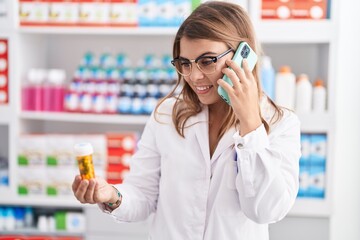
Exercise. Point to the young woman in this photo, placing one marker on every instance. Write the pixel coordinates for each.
(206, 169)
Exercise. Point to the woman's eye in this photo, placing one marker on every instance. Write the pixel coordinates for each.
(206, 61)
(185, 64)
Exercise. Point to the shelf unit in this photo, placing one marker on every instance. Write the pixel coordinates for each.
(285, 41)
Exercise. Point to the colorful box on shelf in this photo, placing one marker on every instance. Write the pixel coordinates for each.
(4, 72)
(121, 146)
(295, 9)
(104, 13)
(47, 164)
(313, 166)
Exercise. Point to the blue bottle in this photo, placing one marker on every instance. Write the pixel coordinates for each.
(268, 77)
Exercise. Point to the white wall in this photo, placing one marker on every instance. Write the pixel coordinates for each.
(344, 223)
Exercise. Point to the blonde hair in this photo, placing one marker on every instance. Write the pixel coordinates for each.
(216, 21)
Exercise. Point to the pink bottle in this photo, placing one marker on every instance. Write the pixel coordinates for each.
(32, 91)
(54, 90)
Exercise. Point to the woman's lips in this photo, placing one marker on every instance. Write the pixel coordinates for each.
(203, 89)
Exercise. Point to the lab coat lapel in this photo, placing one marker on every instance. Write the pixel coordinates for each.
(201, 127)
(225, 142)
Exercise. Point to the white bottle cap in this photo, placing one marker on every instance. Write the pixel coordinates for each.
(56, 76)
(36, 75)
(83, 149)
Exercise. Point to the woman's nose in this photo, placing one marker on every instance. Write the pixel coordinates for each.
(196, 73)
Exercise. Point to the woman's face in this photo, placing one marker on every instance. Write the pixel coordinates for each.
(204, 85)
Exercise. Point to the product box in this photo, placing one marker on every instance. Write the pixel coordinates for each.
(59, 180)
(317, 182)
(318, 150)
(309, 9)
(31, 180)
(33, 12)
(294, 9)
(61, 164)
(94, 13)
(59, 150)
(276, 9)
(64, 12)
(166, 13)
(304, 180)
(305, 149)
(4, 71)
(147, 13)
(183, 9)
(32, 150)
(115, 173)
(123, 13)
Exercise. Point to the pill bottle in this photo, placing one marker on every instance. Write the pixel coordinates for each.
(84, 152)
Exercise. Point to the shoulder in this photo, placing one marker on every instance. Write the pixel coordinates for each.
(163, 112)
(166, 106)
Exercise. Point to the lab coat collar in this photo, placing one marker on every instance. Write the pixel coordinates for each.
(200, 123)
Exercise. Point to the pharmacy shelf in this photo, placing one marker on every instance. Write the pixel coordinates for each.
(41, 201)
(86, 118)
(270, 31)
(36, 232)
(316, 122)
(100, 30)
(311, 207)
(310, 123)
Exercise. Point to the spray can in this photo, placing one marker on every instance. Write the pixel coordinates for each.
(84, 152)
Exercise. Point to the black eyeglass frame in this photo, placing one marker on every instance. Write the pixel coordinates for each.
(213, 59)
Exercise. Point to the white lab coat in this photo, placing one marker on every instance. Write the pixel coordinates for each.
(197, 197)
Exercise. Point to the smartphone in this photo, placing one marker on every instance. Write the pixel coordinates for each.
(243, 51)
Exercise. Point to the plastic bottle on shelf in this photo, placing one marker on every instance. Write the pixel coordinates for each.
(268, 77)
(29, 217)
(285, 83)
(32, 91)
(54, 90)
(319, 96)
(9, 218)
(19, 213)
(303, 98)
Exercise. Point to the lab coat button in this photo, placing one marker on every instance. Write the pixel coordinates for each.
(240, 145)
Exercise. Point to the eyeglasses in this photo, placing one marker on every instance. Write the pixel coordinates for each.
(206, 64)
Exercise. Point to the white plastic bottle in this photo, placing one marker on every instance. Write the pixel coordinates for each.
(268, 77)
(319, 96)
(285, 83)
(303, 98)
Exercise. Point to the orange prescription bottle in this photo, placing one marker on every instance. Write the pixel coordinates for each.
(83, 152)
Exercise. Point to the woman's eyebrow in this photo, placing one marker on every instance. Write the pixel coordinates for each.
(204, 54)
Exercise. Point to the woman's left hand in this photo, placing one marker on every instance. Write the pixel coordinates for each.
(243, 95)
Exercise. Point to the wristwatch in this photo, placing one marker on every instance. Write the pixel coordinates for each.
(118, 201)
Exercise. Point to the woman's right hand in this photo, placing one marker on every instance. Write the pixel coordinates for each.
(93, 191)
